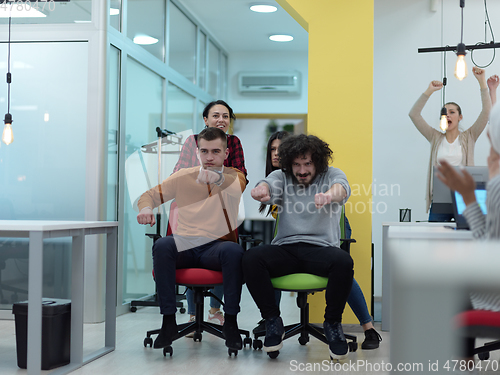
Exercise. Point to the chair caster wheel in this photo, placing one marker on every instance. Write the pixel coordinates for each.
(182, 310)
(303, 340)
(273, 355)
(257, 344)
(197, 336)
(168, 349)
(232, 351)
(148, 341)
(133, 308)
(353, 346)
(247, 341)
(484, 356)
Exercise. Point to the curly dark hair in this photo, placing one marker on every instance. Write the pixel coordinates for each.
(295, 146)
(269, 163)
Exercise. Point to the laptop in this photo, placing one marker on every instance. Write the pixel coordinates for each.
(442, 206)
(459, 205)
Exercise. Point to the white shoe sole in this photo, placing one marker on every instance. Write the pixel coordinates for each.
(337, 356)
(275, 348)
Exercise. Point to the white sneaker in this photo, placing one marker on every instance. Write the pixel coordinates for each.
(217, 318)
(191, 335)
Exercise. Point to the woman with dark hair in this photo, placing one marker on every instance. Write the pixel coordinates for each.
(454, 146)
(274, 160)
(216, 114)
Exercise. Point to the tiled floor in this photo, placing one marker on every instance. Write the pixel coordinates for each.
(210, 355)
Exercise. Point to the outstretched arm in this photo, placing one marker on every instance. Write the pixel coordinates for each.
(261, 192)
(336, 193)
(416, 111)
(146, 216)
(492, 86)
(477, 128)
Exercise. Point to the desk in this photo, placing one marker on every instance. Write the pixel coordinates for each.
(430, 281)
(424, 230)
(37, 231)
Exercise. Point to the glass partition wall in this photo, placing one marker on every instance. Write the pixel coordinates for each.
(86, 97)
(165, 79)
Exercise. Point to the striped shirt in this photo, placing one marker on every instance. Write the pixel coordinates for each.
(484, 228)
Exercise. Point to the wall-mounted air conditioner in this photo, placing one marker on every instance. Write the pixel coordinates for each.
(287, 82)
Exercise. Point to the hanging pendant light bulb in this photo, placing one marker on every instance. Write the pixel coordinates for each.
(443, 123)
(7, 135)
(461, 65)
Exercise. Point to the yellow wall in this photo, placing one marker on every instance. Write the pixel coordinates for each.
(340, 100)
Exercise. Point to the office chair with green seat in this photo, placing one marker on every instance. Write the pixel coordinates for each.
(304, 284)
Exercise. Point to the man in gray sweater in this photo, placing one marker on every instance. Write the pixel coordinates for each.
(309, 195)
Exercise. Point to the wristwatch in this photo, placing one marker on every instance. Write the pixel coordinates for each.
(221, 179)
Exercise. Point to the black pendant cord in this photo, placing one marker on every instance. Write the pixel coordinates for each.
(462, 24)
(444, 79)
(9, 76)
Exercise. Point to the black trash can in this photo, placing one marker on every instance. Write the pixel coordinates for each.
(56, 329)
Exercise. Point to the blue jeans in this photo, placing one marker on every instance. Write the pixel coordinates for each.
(218, 291)
(216, 255)
(357, 302)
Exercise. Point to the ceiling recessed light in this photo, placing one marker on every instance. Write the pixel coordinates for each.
(114, 12)
(145, 40)
(261, 8)
(281, 38)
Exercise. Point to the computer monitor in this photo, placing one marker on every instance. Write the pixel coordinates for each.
(459, 205)
(442, 205)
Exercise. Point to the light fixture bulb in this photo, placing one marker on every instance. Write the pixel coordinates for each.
(261, 8)
(443, 123)
(461, 65)
(281, 38)
(8, 135)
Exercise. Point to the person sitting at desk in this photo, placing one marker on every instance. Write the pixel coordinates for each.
(482, 227)
(208, 199)
(309, 195)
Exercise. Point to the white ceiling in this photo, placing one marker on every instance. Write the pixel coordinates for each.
(238, 29)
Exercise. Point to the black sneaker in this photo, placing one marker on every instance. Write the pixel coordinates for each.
(231, 333)
(372, 339)
(261, 327)
(167, 333)
(275, 331)
(336, 340)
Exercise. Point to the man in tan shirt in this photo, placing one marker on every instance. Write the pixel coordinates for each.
(207, 198)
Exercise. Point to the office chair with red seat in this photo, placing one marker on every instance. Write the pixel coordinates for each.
(480, 324)
(200, 280)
